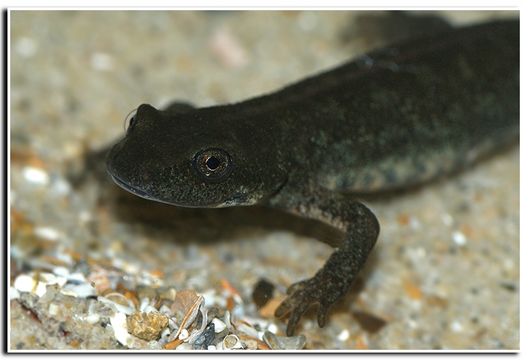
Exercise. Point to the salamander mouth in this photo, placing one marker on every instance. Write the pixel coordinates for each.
(130, 188)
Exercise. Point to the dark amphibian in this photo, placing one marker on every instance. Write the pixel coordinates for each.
(394, 118)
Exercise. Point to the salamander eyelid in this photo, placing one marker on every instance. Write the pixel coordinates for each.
(128, 119)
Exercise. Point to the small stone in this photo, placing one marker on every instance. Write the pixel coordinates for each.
(284, 342)
(47, 233)
(273, 328)
(147, 326)
(228, 49)
(262, 293)
(25, 283)
(53, 309)
(344, 335)
(167, 293)
(456, 327)
(13, 293)
(459, 238)
(206, 338)
(26, 47)
(36, 283)
(184, 334)
(36, 176)
(92, 318)
(369, 322)
(102, 61)
(218, 325)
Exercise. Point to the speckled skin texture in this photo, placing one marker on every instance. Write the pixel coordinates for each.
(395, 118)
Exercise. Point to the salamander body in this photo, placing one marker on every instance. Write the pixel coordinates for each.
(394, 118)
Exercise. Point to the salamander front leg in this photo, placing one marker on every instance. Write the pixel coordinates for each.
(333, 281)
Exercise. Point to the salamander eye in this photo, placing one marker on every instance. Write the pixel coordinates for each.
(130, 120)
(213, 164)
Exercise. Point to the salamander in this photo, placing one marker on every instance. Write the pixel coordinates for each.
(395, 118)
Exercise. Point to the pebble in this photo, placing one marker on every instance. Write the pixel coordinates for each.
(344, 335)
(102, 61)
(447, 219)
(147, 292)
(369, 322)
(456, 327)
(26, 47)
(47, 233)
(146, 326)
(92, 318)
(262, 292)
(167, 293)
(30, 283)
(61, 271)
(284, 342)
(273, 328)
(459, 238)
(36, 176)
(218, 325)
(53, 309)
(60, 187)
(13, 293)
(184, 334)
(227, 49)
(307, 21)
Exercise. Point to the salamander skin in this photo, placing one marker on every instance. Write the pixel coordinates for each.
(394, 118)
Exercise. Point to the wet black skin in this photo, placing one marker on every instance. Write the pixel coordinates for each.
(395, 118)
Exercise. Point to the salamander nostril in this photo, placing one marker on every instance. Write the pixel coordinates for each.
(213, 163)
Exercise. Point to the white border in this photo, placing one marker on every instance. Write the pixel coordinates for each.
(329, 5)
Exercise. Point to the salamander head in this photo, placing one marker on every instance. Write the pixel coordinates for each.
(194, 159)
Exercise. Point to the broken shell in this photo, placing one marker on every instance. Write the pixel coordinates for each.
(204, 317)
(119, 325)
(284, 342)
(83, 290)
(232, 342)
